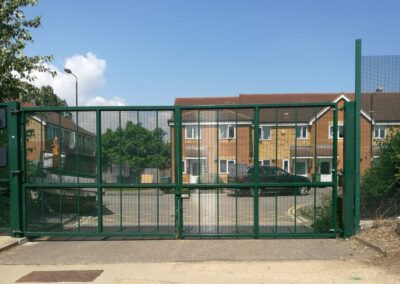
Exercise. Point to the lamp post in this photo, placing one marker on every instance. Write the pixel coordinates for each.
(371, 112)
(68, 71)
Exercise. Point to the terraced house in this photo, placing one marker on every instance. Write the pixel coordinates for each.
(298, 140)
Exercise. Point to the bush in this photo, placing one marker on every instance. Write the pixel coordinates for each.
(380, 185)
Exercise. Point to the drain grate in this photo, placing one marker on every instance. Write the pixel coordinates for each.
(61, 276)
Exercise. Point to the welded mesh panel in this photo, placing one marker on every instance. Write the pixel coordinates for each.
(60, 147)
(136, 146)
(287, 211)
(61, 210)
(380, 102)
(216, 144)
(218, 211)
(138, 210)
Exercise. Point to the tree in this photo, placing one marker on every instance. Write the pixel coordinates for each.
(380, 186)
(16, 68)
(43, 96)
(137, 147)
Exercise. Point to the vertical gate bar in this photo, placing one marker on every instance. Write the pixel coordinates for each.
(99, 178)
(198, 143)
(77, 145)
(23, 158)
(14, 164)
(199, 163)
(276, 172)
(334, 170)
(236, 170)
(120, 171)
(315, 167)
(218, 164)
(295, 170)
(59, 147)
(139, 178)
(79, 209)
(42, 209)
(357, 134)
(257, 169)
(61, 214)
(41, 147)
(158, 190)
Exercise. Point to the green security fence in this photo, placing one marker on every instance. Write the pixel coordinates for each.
(184, 171)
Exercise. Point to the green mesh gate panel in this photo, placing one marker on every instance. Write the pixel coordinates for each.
(4, 188)
(192, 171)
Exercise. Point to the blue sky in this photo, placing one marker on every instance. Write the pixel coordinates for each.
(154, 51)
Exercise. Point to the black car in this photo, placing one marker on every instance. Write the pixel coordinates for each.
(268, 174)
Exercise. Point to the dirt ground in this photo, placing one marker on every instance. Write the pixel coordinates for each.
(383, 234)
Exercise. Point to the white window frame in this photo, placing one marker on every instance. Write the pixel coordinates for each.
(227, 165)
(379, 131)
(262, 132)
(196, 133)
(184, 167)
(301, 127)
(262, 162)
(227, 125)
(283, 165)
(329, 131)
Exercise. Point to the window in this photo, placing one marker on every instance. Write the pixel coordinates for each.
(183, 167)
(227, 131)
(264, 162)
(265, 132)
(379, 132)
(301, 132)
(301, 168)
(192, 132)
(50, 133)
(224, 166)
(340, 131)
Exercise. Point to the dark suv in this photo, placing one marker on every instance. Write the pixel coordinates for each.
(269, 174)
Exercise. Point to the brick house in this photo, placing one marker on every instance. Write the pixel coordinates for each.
(298, 141)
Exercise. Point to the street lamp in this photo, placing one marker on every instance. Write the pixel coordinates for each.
(371, 112)
(68, 71)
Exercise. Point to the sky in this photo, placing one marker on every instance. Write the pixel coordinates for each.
(150, 52)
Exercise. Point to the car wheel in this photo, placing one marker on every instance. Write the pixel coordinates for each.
(303, 190)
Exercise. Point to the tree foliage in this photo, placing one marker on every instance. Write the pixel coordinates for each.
(136, 146)
(380, 186)
(16, 68)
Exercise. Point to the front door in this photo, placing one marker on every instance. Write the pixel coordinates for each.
(196, 167)
(325, 169)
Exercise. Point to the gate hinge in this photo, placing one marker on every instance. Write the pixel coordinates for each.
(16, 173)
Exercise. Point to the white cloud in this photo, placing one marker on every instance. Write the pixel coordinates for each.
(100, 101)
(90, 71)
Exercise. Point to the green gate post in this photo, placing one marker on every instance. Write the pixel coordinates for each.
(14, 165)
(357, 135)
(178, 172)
(349, 167)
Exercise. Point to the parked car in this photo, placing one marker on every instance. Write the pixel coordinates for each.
(268, 174)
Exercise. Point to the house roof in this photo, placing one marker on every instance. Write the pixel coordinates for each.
(385, 105)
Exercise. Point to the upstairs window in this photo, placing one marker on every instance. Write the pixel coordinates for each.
(192, 132)
(340, 131)
(227, 131)
(265, 132)
(301, 132)
(379, 132)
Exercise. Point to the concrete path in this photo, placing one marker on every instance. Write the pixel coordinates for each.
(154, 251)
(297, 272)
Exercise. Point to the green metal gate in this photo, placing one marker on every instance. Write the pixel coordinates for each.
(4, 188)
(183, 171)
